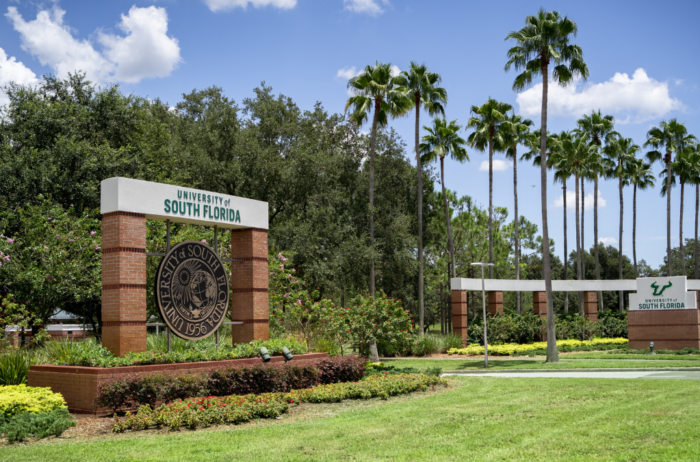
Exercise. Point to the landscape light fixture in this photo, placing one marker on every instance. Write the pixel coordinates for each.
(651, 348)
(264, 354)
(287, 354)
(483, 294)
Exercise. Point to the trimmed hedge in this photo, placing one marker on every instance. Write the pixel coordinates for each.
(19, 399)
(30, 425)
(133, 391)
(514, 349)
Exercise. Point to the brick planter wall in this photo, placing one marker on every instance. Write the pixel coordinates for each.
(668, 329)
(78, 385)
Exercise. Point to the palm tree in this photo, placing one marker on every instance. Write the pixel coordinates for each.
(622, 153)
(424, 87)
(486, 121)
(375, 89)
(641, 176)
(671, 136)
(696, 182)
(598, 128)
(545, 38)
(563, 164)
(685, 167)
(516, 131)
(442, 140)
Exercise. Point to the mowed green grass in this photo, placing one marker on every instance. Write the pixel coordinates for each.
(503, 364)
(483, 419)
(647, 356)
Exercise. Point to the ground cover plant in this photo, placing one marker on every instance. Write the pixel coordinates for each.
(212, 410)
(544, 419)
(32, 412)
(539, 364)
(133, 391)
(513, 349)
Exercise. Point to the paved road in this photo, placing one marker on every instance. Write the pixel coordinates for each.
(682, 375)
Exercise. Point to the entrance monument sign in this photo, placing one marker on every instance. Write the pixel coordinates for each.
(662, 293)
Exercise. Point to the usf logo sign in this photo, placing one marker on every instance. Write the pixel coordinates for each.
(662, 293)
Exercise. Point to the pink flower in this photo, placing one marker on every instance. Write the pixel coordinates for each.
(204, 241)
(293, 270)
(286, 295)
(281, 267)
(92, 233)
(6, 258)
(298, 302)
(46, 248)
(58, 236)
(10, 241)
(97, 248)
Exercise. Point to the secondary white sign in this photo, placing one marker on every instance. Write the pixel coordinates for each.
(183, 205)
(662, 293)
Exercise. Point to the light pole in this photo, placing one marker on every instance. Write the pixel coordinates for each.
(483, 295)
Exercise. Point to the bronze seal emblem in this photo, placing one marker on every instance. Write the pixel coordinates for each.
(192, 289)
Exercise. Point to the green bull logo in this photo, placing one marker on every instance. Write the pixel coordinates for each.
(659, 291)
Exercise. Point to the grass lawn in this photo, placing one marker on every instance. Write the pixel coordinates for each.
(483, 419)
(495, 363)
(647, 356)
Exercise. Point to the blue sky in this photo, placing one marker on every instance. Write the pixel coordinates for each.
(637, 52)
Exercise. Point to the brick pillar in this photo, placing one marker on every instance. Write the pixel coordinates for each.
(249, 284)
(459, 315)
(590, 305)
(495, 303)
(124, 282)
(539, 304)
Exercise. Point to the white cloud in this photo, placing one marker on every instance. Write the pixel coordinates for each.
(395, 70)
(608, 240)
(220, 5)
(12, 70)
(571, 200)
(498, 165)
(678, 81)
(371, 7)
(347, 73)
(635, 99)
(146, 50)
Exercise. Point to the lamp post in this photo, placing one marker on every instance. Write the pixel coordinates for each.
(483, 295)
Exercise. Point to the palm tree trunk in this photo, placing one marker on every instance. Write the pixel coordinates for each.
(566, 255)
(583, 228)
(373, 146)
(595, 239)
(668, 212)
(697, 209)
(680, 230)
(552, 353)
(447, 216)
(419, 168)
(578, 243)
(634, 231)
(491, 201)
(621, 294)
(515, 228)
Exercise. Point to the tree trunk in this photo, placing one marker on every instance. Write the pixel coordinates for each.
(578, 242)
(680, 230)
(634, 231)
(595, 239)
(552, 353)
(668, 212)
(697, 209)
(566, 255)
(447, 215)
(515, 228)
(373, 146)
(419, 168)
(583, 228)
(491, 129)
(621, 294)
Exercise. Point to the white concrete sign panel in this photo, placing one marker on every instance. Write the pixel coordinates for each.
(662, 293)
(182, 205)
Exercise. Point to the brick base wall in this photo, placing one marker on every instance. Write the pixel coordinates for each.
(459, 315)
(495, 300)
(590, 305)
(668, 329)
(79, 385)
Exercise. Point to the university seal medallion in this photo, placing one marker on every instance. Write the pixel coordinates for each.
(192, 290)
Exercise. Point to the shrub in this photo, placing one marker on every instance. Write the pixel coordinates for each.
(132, 391)
(17, 399)
(613, 327)
(14, 366)
(26, 425)
(515, 349)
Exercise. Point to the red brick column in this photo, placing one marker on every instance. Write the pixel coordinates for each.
(668, 329)
(539, 304)
(590, 305)
(124, 282)
(459, 315)
(495, 303)
(249, 284)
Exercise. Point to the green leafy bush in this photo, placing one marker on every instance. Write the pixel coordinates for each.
(30, 425)
(18, 399)
(434, 343)
(14, 366)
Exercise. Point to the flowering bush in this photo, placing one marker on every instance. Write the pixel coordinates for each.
(132, 391)
(212, 410)
(514, 349)
(18, 316)
(17, 399)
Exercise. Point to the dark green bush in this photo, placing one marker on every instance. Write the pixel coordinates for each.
(30, 425)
